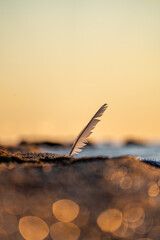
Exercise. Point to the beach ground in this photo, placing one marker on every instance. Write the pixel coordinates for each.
(88, 198)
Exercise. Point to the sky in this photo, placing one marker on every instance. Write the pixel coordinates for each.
(61, 60)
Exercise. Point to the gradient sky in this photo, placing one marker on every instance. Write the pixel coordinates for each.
(61, 60)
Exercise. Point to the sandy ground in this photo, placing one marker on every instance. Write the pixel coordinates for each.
(55, 197)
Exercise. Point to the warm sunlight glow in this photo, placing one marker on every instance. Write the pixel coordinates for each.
(133, 215)
(61, 60)
(123, 231)
(60, 231)
(110, 220)
(153, 190)
(126, 183)
(65, 210)
(118, 175)
(33, 228)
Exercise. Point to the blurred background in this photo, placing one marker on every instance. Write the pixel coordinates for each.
(61, 60)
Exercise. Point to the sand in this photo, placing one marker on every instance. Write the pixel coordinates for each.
(116, 198)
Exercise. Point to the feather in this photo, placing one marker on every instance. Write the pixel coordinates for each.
(81, 140)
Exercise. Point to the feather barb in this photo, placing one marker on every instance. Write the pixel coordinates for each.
(81, 140)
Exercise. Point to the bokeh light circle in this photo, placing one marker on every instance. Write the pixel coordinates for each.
(65, 210)
(110, 220)
(61, 231)
(33, 228)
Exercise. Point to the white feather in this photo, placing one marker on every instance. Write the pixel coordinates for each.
(81, 140)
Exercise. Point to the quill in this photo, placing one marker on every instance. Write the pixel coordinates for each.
(81, 141)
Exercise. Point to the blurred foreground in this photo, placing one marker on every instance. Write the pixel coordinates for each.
(53, 198)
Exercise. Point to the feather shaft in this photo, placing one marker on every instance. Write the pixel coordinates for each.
(81, 140)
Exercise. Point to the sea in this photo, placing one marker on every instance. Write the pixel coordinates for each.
(145, 152)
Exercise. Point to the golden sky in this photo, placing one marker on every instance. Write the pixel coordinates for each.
(61, 60)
